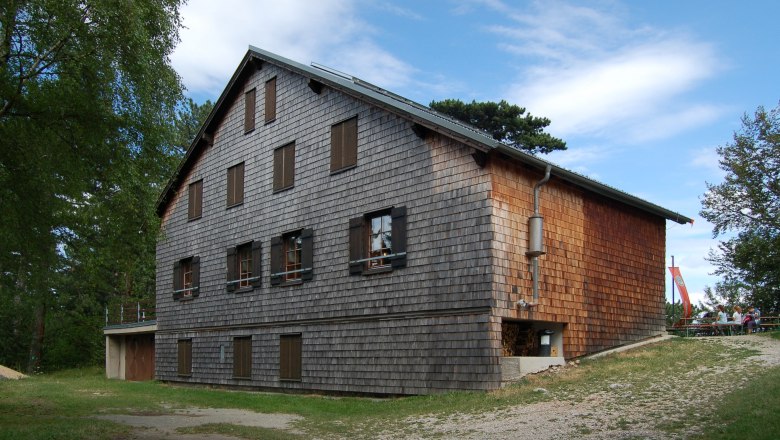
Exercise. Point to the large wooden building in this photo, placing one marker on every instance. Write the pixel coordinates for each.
(323, 234)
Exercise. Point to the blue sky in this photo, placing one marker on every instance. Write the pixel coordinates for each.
(642, 91)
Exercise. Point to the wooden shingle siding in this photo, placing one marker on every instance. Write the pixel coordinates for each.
(448, 230)
(396, 356)
(602, 274)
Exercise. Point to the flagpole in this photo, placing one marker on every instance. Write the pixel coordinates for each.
(673, 323)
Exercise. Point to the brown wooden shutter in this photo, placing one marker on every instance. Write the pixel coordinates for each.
(185, 357)
(307, 254)
(336, 147)
(242, 357)
(249, 111)
(231, 186)
(177, 280)
(290, 357)
(239, 183)
(398, 216)
(349, 151)
(232, 269)
(277, 262)
(195, 267)
(357, 250)
(278, 169)
(256, 266)
(289, 165)
(270, 100)
(195, 205)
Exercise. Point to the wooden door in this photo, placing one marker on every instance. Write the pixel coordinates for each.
(139, 357)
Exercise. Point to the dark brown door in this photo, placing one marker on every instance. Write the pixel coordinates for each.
(139, 357)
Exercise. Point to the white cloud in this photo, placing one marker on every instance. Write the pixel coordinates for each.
(217, 35)
(708, 159)
(596, 75)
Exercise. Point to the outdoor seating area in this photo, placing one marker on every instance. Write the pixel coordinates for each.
(709, 327)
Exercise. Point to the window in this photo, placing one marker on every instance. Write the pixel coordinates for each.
(343, 145)
(235, 185)
(292, 257)
(195, 205)
(377, 241)
(249, 111)
(284, 167)
(290, 362)
(270, 100)
(243, 266)
(185, 357)
(380, 240)
(186, 278)
(242, 357)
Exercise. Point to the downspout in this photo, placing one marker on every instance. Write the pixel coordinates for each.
(536, 246)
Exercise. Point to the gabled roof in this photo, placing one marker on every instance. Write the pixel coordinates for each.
(419, 114)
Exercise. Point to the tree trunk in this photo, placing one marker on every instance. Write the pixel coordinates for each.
(36, 345)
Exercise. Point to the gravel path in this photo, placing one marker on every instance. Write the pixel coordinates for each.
(619, 412)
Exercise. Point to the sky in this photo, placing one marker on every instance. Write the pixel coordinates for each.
(643, 92)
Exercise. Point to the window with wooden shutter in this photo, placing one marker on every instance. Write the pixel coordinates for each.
(292, 257)
(249, 111)
(186, 278)
(235, 185)
(377, 241)
(290, 357)
(270, 100)
(185, 357)
(284, 167)
(242, 357)
(343, 145)
(243, 266)
(195, 205)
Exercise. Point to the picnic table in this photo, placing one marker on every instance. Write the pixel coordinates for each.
(710, 326)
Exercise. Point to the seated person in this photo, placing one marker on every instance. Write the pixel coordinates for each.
(750, 320)
(736, 317)
(723, 318)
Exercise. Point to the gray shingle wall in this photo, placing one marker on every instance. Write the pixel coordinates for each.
(448, 224)
(388, 356)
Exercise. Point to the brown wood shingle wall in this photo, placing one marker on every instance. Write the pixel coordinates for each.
(603, 273)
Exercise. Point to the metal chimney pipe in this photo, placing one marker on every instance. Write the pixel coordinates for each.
(536, 247)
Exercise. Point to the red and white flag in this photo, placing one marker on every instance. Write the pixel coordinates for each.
(686, 302)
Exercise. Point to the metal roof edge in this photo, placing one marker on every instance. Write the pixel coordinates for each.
(595, 186)
(413, 112)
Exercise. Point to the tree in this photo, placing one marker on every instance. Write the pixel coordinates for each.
(748, 203)
(504, 122)
(87, 94)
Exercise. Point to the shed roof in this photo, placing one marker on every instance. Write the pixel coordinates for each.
(405, 108)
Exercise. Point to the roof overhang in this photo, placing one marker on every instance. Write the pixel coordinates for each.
(414, 112)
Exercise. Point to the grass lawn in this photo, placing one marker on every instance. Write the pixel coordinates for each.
(58, 406)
